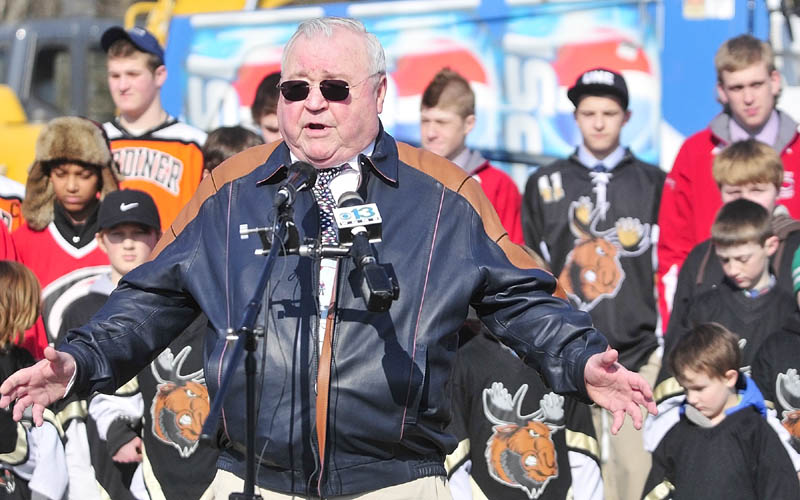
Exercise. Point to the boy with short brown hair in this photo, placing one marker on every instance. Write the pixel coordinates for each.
(224, 142)
(747, 298)
(448, 116)
(722, 446)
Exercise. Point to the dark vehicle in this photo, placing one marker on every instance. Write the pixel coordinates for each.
(54, 67)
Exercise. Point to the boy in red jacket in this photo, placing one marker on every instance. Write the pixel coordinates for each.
(747, 86)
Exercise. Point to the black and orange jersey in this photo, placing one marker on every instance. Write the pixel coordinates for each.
(166, 162)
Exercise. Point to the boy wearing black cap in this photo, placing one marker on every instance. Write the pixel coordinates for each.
(156, 153)
(121, 427)
(593, 217)
(128, 229)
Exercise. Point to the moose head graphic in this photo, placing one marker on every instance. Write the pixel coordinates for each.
(181, 403)
(592, 270)
(520, 452)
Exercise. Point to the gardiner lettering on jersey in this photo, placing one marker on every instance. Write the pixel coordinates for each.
(150, 165)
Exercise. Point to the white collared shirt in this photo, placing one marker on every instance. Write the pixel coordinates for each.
(610, 162)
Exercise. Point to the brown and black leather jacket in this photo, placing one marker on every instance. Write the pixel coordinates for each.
(389, 394)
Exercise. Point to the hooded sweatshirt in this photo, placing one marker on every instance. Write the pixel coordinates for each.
(740, 458)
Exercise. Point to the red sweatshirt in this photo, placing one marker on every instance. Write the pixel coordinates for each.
(691, 198)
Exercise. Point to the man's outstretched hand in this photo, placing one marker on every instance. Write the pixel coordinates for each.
(38, 385)
(617, 389)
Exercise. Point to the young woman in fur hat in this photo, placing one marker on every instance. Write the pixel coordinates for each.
(72, 172)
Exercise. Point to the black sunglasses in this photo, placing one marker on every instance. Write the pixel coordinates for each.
(332, 90)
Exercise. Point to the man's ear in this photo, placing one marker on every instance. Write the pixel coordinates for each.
(381, 93)
(775, 82)
(771, 245)
(469, 124)
(627, 117)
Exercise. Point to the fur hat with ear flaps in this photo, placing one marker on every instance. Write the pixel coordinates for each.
(63, 140)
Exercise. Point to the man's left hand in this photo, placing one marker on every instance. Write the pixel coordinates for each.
(617, 389)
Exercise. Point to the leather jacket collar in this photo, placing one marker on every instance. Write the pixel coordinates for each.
(384, 161)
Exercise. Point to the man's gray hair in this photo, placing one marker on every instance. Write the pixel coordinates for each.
(325, 26)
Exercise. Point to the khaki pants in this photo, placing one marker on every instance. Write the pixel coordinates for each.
(625, 463)
(426, 488)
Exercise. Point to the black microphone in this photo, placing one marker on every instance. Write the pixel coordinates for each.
(301, 176)
(359, 226)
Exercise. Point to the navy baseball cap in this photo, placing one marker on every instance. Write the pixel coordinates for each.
(128, 206)
(139, 37)
(599, 81)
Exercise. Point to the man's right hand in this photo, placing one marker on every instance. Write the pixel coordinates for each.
(38, 385)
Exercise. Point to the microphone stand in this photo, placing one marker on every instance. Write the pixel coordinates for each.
(246, 341)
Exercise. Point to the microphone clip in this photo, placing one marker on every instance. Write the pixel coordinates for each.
(291, 240)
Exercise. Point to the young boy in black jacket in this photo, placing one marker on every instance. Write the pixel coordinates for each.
(721, 447)
(748, 298)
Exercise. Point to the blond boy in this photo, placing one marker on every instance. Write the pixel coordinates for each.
(748, 86)
(751, 170)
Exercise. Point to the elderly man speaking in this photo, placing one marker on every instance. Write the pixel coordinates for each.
(352, 402)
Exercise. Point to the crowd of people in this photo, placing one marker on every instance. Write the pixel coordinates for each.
(526, 327)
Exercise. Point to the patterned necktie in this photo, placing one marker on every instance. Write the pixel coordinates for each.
(600, 168)
(326, 204)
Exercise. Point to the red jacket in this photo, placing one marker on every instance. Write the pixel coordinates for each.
(506, 199)
(7, 249)
(58, 265)
(691, 198)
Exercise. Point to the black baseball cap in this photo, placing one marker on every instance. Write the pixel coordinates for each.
(599, 81)
(139, 37)
(128, 206)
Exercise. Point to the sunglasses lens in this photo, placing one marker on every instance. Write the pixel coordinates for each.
(334, 90)
(294, 90)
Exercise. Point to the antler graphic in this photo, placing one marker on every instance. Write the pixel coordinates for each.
(172, 365)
